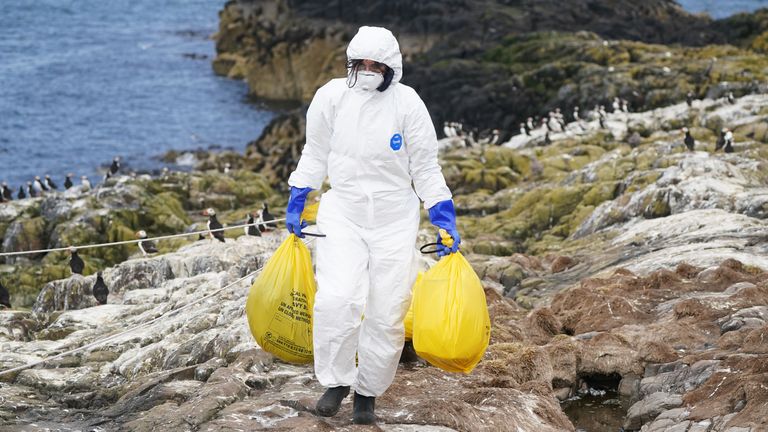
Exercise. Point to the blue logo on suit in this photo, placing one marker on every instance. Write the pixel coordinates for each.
(396, 142)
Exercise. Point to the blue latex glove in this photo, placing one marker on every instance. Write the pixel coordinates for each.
(443, 215)
(293, 212)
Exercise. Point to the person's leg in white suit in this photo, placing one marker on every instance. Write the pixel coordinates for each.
(360, 270)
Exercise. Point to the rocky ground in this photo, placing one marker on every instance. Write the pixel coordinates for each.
(626, 277)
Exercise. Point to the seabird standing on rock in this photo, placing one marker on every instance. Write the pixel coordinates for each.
(76, 264)
(689, 99)
(624, 105)
(214, 224)
(560, 119)
(688, 140)
(529, 125)
(251, 229)
(523, 130)
(48, 182)
(31, 192)
(100, 290)
(227, 167)
(616, 105)
(147, 246)
(68, 181)
(730, 98)
(728, 148)
(6, 192)
(720, 140)
(42, 183)
(495, 136)
(38, 186)
(601, 116)
(86, 183)
(265, 218)
(115, 166)
(5, 297)
(21, 194)
(576, 117)
(448, 130)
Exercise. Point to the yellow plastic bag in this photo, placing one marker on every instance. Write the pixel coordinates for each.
(451, 326)
(310, 212)
(279, 305)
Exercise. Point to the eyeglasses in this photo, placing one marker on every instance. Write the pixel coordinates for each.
(368, 65)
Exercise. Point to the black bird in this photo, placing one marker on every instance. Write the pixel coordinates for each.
(48, 182)
(147, 246)
(7, 194)
(728, 148)
(37, 187)
(730, 98)
(76, 263)
(68, 181)
(720, 140)
(688, 140)
(21, 194)
(251, 229)
(41, 184)
(114, 167)
(265, 217)
(689, 99)
(100, 290)
(214, 224)
(5, 297)
(31, 192)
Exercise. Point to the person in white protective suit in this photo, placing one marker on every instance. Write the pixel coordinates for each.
(373, 137)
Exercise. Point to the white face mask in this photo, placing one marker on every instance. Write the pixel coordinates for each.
(368, 80)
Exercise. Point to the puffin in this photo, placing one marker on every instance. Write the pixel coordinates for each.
(68, 181)
(731, 99)
(31, 192)
(100, 290)
(86, 183)
(48, 182)
(720, 140)
(146, 246)
(6, 192)
(250, 229)
(214, 224)
(688, 140)
(728, 147)
(115, 166)
(38, 186)
(265, 219)
(495, 137)
(689, 99)
(21, 194)
(76, 264)
(576, 113)
(5, 297)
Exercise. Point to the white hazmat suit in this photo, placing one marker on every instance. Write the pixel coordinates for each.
(373, 146)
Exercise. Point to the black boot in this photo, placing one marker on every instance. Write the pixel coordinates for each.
(362, 409)
(330, 401)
